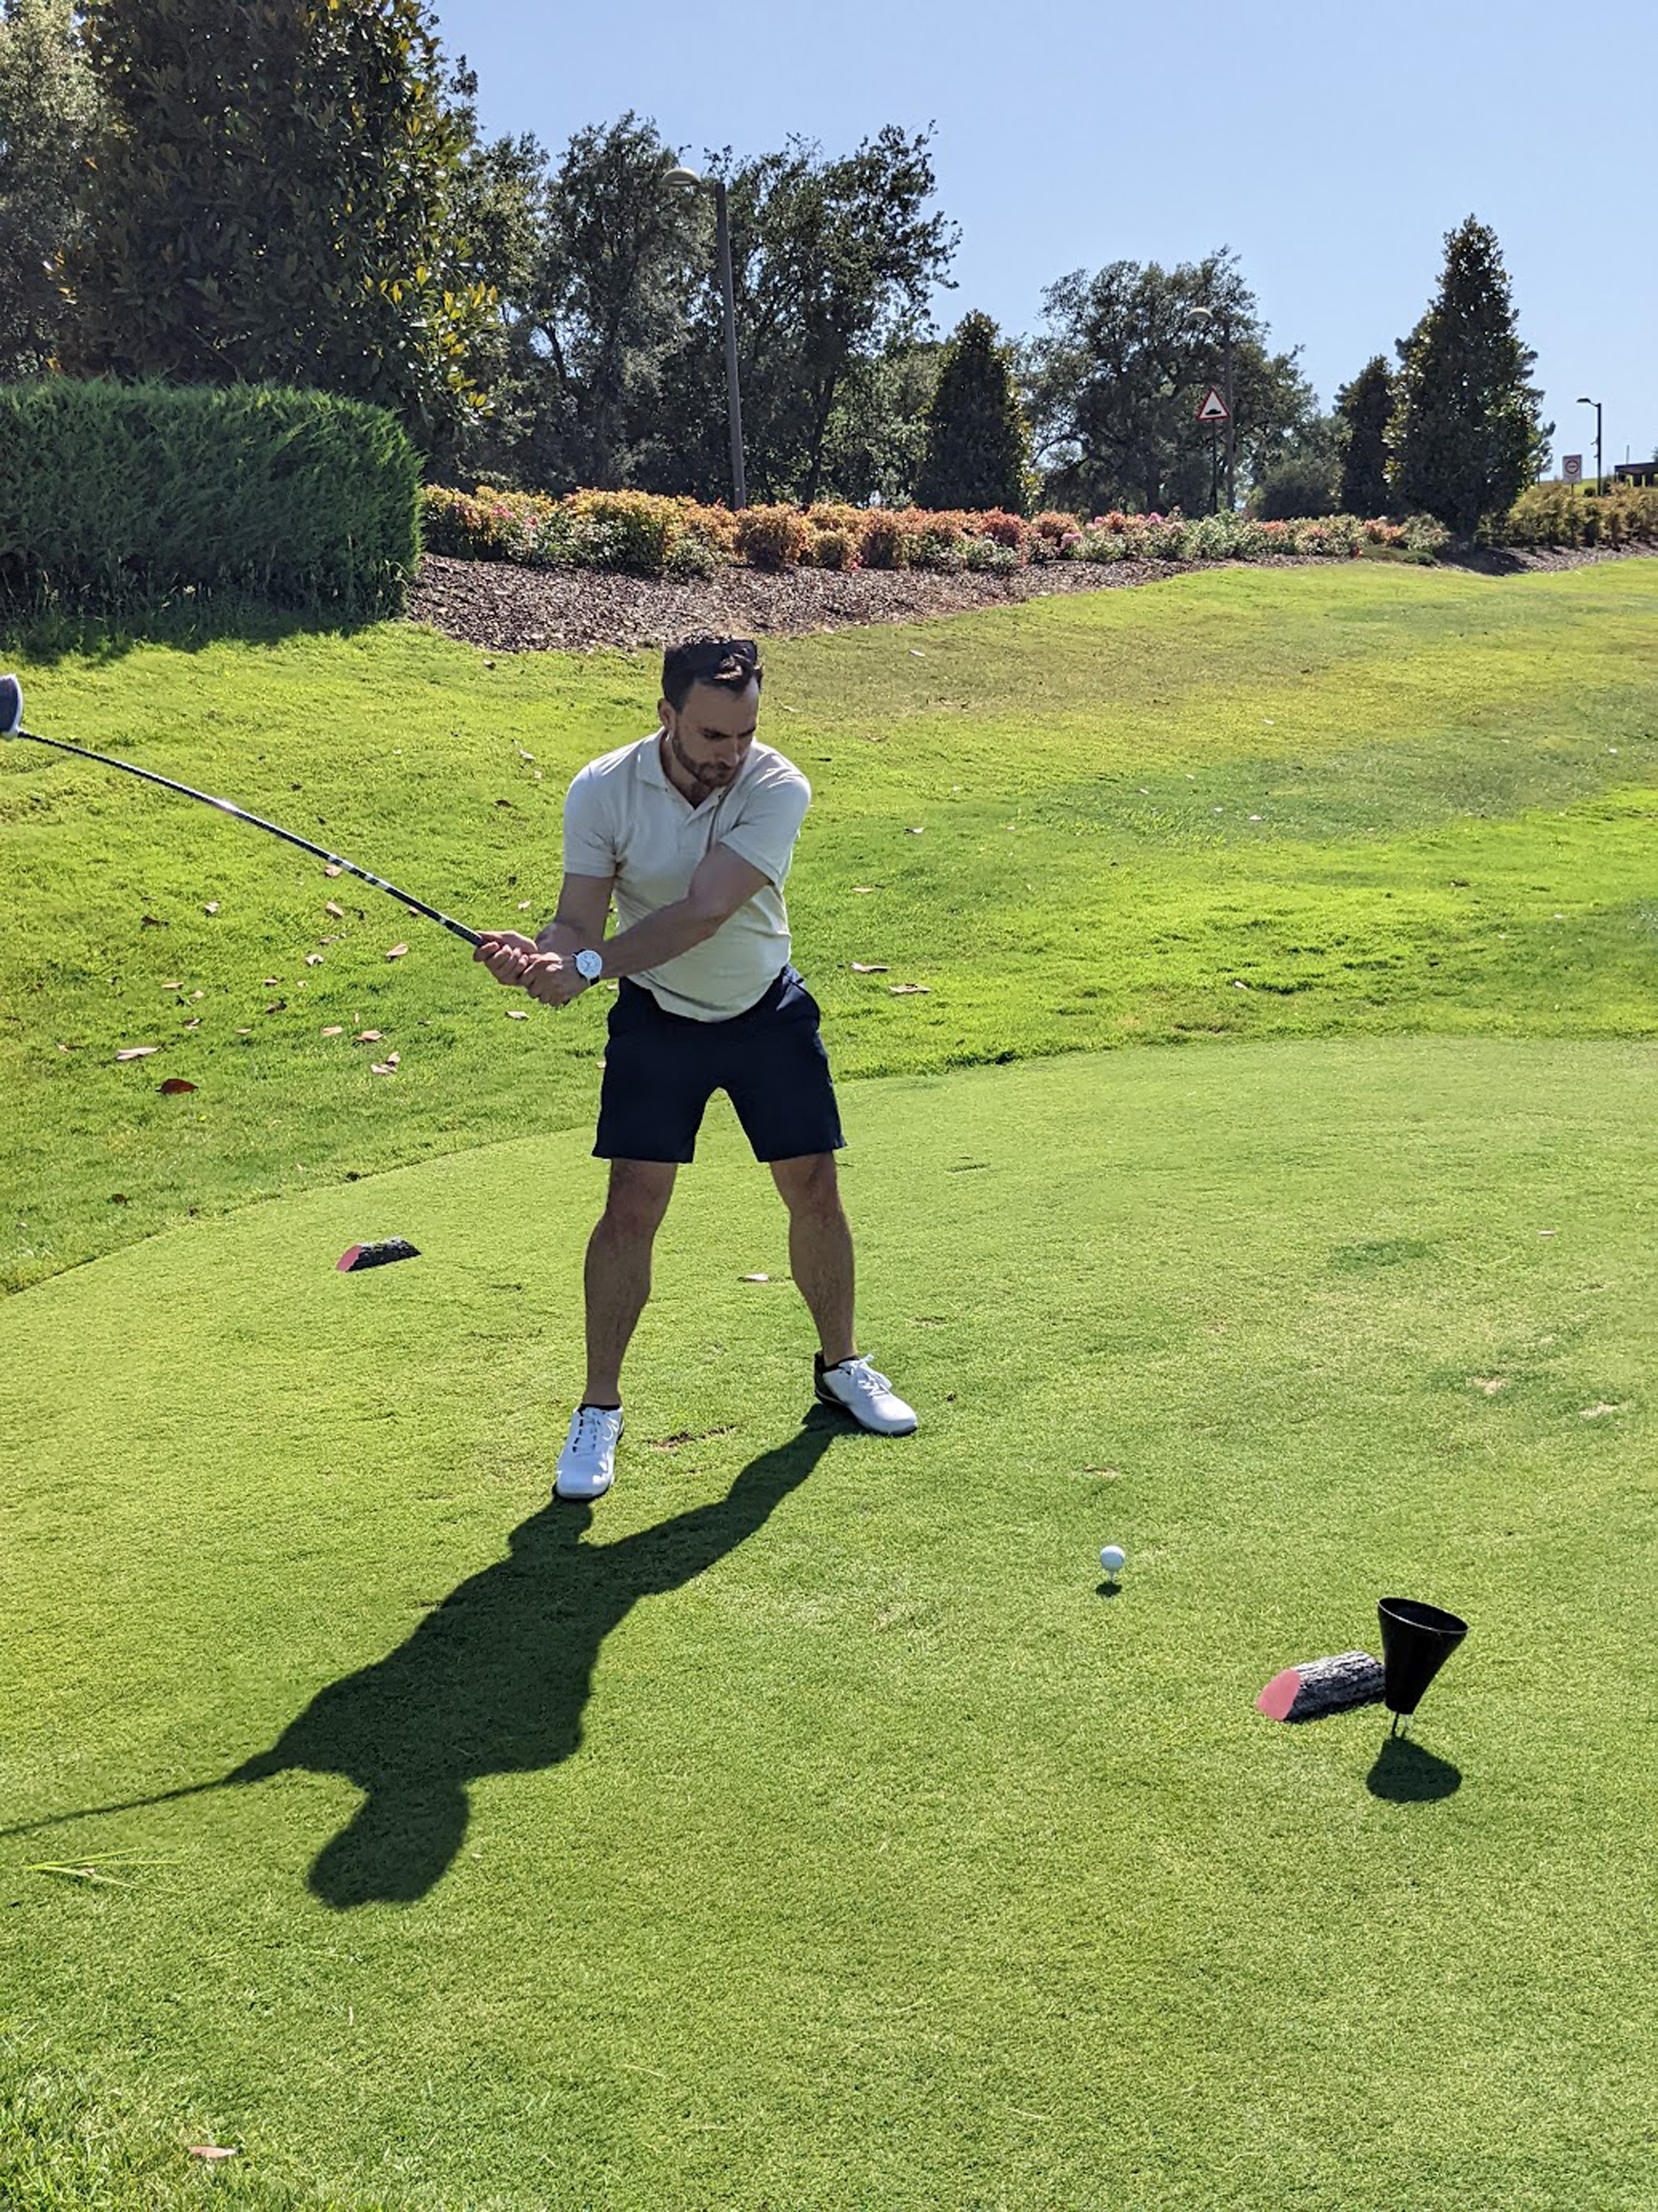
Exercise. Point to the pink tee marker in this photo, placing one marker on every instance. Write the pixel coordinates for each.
(348, 1260)
(1279, 1695)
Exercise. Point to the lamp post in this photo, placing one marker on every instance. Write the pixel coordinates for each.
(687, 180)
(1599, 482)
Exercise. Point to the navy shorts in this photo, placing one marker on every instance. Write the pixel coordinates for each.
(661, 1069)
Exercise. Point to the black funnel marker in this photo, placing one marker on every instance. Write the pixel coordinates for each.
(1417, 1640)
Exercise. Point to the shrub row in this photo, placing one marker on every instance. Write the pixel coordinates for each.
(649, 536)
(116, 495)
(1565, 514)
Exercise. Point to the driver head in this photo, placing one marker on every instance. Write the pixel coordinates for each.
(11, 706)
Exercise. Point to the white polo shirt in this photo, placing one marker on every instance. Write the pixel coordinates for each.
(623, 818)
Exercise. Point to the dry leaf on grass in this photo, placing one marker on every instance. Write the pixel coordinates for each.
(151, 921)
(336, 1028)
(397, 953)
(173, 1086)
(212, 2150)
(194, 1024)
(339, 911)
(173, 987)
(518, 1013)
(870, 967)
(524, 906)
(861, 890)
(382, 1068)
(757, 1278)
(212, 906)
(367, 1036)
(908, 990)
(331, 870)
(313, 960)
(136, 1051)
(275, 1005)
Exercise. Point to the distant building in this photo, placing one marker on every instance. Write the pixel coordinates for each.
(1636, 472)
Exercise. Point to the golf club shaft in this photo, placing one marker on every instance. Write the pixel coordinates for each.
(224, 806)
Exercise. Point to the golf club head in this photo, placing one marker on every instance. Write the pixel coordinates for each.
(11, 706)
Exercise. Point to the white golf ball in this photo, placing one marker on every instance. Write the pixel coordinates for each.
(1113, 1559)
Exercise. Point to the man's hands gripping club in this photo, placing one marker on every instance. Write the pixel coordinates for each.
(511, 958)
(546, 968)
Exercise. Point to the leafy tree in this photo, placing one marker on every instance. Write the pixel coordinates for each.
(877, 433)
(609, 288)
(275, 195)
(834, 262)
(1364, 407)
(1114, 384)
(978, 450)
(1466, 435)
(46, 108)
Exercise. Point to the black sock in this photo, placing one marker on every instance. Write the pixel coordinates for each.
(591, 1405)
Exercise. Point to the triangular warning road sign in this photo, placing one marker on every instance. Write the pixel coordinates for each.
(1214, 407)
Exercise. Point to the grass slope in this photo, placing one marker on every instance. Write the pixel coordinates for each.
(1246, 804)
(804, 1826)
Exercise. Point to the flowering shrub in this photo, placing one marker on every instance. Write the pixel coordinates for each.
(644, 534)
(834, 549)
(988, 556)
(772, 537)
(1047, 533)
(1424, 533)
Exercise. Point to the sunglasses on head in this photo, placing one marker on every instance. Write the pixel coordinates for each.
(709, 660)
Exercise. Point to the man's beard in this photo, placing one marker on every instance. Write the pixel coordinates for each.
(704, 772)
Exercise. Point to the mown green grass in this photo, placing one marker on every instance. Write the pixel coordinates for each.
(803, 1826)
(1245, 805)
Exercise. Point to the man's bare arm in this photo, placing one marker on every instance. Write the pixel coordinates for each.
(583, 906)
(721, 885)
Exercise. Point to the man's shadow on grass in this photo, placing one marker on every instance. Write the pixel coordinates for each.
(495, 1680)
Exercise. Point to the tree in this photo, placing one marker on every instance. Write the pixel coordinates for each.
(1466, 436)
(877, 433)
(1113, 386)
(47, 109)
(978, 449)
(1364, 407)
(274, 195)
(611, 285)
(834, 262)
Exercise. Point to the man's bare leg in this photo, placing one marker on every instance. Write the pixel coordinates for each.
(618, 1269)
(820, 1249)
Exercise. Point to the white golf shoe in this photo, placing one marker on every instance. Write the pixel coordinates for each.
(857, 1389)
(587, 1466)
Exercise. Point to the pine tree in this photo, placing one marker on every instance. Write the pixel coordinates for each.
(1365, 406)
(1465, 438)
(978, 449)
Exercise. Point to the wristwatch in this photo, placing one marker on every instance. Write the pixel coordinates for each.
(590, 966)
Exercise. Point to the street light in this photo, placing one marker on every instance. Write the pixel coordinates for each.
(1599, 482)
(687, 180)
(1207, 315)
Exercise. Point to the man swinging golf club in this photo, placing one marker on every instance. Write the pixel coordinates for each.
(692, 831)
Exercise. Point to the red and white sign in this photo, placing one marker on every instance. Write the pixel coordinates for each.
(1571, 467)
(1213, 409)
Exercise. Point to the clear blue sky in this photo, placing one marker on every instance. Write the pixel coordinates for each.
(1331, 147)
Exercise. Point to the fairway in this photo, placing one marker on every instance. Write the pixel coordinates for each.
(805, 1826)
(1260, 1178)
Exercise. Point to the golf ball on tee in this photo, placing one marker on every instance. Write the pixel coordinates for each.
(1113, 1559)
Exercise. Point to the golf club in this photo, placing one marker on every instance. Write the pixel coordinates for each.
(11, 726)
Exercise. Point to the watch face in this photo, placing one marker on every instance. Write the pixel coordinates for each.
(587, 966)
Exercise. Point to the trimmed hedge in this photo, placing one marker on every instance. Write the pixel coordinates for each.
(117, 495)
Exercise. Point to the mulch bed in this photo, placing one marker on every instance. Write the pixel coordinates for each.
(512, 610)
